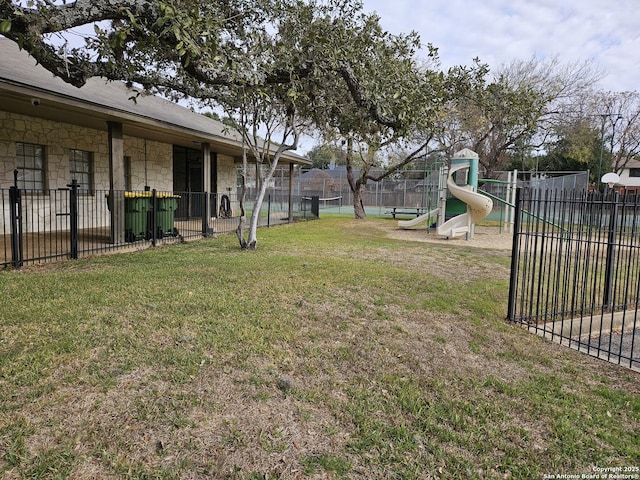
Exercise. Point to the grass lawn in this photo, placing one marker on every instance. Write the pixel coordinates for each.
(334, 351)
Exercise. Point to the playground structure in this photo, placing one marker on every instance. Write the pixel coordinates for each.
(457, 216)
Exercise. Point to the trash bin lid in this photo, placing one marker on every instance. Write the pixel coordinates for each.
(137, 194)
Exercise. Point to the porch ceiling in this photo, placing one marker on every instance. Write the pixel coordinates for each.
(73, 112)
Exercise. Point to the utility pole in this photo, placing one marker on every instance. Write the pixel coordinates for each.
(604, 116)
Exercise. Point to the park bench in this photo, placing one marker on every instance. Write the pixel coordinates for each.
(393, 211)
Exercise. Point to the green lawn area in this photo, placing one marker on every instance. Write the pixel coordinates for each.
(333, 351)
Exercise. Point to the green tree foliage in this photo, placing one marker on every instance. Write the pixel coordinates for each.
(274, 66)
(323, 155)
(577, 148)
(374, 96)
(579, 145)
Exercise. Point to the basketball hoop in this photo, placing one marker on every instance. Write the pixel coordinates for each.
(610, 179)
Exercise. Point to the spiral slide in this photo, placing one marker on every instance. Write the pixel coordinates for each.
(425, 217)
(478, 207)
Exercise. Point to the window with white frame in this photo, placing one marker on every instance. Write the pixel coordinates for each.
(81, 170)
(634, 172)
(30, 163)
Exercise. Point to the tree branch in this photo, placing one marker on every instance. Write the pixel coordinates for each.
(359, 98)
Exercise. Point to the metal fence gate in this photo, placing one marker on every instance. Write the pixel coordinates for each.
(575, 270)
(65, 223)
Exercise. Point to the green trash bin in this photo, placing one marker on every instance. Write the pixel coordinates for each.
(136, 207)
(166, 204)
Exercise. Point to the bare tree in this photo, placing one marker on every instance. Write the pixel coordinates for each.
(617, 115)
(519, 105)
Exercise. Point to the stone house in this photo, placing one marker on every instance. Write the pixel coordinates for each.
(108, 138)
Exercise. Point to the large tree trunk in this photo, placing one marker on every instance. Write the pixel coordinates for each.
(240, 232)
(356, 186)
(252, 238)
(251, 241)
(358, 206)
(243, 218)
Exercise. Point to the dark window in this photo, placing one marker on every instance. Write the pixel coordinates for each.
(634, 172)
(30, 165)
(81, 169)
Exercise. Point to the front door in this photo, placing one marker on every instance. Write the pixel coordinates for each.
(188, 180)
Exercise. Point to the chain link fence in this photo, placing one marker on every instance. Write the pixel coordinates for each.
(421, 188)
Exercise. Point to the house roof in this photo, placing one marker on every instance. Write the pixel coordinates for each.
(101, 101)
(633, 163)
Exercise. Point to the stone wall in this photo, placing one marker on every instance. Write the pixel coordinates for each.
(151, 164)
(60, 138)
(227, 176)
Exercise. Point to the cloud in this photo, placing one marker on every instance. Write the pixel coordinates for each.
(499, 31)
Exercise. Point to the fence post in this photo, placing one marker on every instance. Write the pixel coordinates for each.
(291, 189)
(206, 213)
(404, 194)
(154, 219)
(268, 210)
(515, 256)
(611, 251)
(15, 212)
(73, 218)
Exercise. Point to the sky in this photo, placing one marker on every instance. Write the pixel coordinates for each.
(606, 32)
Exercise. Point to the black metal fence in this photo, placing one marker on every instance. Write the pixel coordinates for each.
(575, 271)
(67, 223)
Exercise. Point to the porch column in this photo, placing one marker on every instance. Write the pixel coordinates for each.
(206, 184)
(291, 170)
(116, 181)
